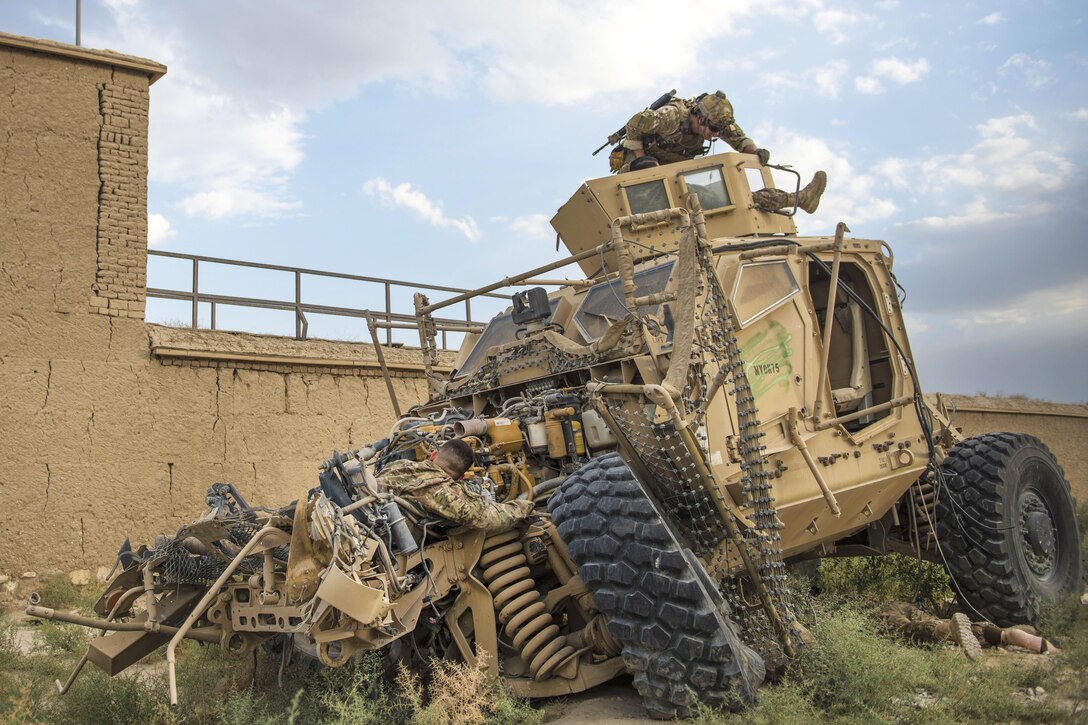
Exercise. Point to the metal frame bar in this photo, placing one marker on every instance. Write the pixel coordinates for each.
(392, 320)
(829, 319)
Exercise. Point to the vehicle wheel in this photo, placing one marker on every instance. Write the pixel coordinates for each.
(1007, 525)
(677, 639)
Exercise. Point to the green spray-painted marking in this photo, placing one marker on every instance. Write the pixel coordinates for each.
(767, 359)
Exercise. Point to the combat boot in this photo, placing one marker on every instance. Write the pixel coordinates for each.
(809, 198)
(964, 635)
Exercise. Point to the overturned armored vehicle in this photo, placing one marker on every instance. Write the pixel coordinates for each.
(717, 397)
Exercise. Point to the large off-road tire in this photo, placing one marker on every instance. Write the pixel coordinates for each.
(1007, 525)
(678, 641)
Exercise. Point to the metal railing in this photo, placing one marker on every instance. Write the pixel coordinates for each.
(386, 318)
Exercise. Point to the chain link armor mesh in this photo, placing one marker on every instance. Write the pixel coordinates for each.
(177, 565)
(674, 478)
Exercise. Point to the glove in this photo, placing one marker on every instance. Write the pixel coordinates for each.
(764, 156)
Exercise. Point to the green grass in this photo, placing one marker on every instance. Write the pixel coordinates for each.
(854, 674)
(57, 592)
(857, 674)
(216, 689)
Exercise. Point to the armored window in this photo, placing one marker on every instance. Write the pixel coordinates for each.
(603, 305)
(646, 197)
(762, 287)
(709, 186)
(755, 179)
(499, 331)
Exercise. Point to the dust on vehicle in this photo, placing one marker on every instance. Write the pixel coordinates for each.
(718, 397)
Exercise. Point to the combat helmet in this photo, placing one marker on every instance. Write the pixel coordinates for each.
(715, 108)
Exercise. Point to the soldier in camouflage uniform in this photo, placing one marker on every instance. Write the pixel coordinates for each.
(435, 484)
(677, 132)
(919, 626)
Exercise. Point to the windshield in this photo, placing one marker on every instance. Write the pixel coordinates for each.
(499, 331)
(603, 305)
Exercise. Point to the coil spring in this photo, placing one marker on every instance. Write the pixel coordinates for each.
(923, 498)
(519, 606)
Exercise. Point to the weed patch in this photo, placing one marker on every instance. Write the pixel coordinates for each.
(58, 592)
(59, 638)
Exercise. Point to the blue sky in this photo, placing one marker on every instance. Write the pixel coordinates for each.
(431, 141)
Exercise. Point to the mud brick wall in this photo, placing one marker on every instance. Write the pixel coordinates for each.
(121, 278)
(110, 427)
(1062, 427)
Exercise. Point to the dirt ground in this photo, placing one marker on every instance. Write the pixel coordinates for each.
(615, 702)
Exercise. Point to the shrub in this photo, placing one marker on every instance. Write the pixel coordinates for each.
(57, 592)
(59, 638)
(884, 578)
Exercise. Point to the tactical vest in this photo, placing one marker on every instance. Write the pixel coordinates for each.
(682, 146)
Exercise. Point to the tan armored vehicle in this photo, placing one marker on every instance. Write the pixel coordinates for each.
(717, 397)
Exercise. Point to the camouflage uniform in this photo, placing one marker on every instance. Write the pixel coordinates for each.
(425, 483)
(914, 623)
(666, 134)
(919, 626)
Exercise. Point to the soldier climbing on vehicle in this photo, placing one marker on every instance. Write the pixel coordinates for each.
(675, 129)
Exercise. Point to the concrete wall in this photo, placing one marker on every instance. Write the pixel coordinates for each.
(110, 427)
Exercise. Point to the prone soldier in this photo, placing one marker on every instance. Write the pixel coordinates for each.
(436, 485)
(920, 626)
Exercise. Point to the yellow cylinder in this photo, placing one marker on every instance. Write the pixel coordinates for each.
(505, 435)
(557, 446)
(579, 438)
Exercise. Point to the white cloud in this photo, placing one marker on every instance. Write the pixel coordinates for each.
(1008, 174)
(224, 143)
(755, 61)
(227, 120)
(887, 45)
(992, 19)
(405, 195)
(1068, 300)
(534, 226)
(1010, 157)
(1035, 71)
(851, 194)
(894, 172)
(835, 24)
(826, 79)
(1081, 114)
(233, 200)
(887, 4)
(893, 69)
(868, 84)
(900, 71)
(916, 324)
(975, 212)
(158, 229)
